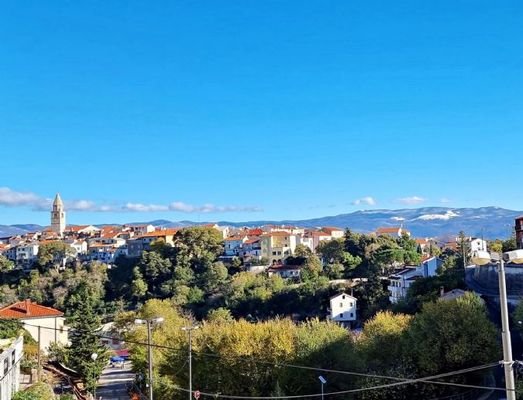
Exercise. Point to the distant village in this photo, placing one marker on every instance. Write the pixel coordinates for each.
(260, 249)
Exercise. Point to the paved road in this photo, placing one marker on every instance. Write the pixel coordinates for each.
(113, 383)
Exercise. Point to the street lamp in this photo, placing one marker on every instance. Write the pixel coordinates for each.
(190, 329)
(149, 323)
(94, 356)
(323, 382)
(516, 257)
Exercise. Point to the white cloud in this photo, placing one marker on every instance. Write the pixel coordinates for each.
(80, 205)
(12, 198)
(209, 208)
(139, 207)
(370, 201)
(412, 200)
(444, 200)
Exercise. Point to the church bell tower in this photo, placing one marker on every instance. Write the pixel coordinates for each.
(58, 215)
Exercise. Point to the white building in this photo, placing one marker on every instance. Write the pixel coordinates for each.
(79, 246)
(233, 245)
(343, 308)
(401, 281)
(140, 230)
(11, 351)
(477, 244)
(41, 322)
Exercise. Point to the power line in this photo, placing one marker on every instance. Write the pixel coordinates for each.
(288, 365)
(385, 386)
(361, 374)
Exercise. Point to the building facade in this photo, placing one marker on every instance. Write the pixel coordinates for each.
(11, 351)
(343, 308)
(519, 232)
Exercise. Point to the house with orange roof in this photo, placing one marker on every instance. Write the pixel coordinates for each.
(136, 246)
(394, 231)
(335, 233)
(43, 323)
(81, 229)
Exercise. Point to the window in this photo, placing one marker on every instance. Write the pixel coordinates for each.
(341, 315)
(6, 365)
(341, 305)
(343, 297)
(351, 304)
(352, 315)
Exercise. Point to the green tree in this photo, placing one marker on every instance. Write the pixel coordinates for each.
(302, 251)
(450, 335)
(384, 331)
(138, 285)
(5, 264)
(85, 342)
(53, 254)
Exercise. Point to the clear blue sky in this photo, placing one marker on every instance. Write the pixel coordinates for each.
(264, 109)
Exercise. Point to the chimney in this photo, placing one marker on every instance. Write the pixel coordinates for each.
(27, 304)
(441, 291)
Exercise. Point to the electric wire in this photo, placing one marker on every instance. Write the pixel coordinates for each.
(287, 365)
(385, 386)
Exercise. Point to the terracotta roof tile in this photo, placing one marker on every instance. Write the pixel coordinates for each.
(27, 309)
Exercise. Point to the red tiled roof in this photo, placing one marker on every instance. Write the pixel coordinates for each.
(27, 309)
(75, 228)
(161, 233)
(388, 230)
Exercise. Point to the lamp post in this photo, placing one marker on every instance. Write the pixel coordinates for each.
(516, 256)
(149, 323)
(190, 329)
(94, 356)
(323, 382)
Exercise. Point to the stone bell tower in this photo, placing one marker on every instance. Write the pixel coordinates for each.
(58, 215)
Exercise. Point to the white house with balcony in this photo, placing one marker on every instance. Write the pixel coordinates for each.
(343, 308)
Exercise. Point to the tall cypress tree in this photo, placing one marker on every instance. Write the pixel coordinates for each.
(85, 342)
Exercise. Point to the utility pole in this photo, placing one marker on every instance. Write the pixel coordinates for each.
(149, 323)
(190, 329)
(150, 359)
(38, 356)
(508, 362)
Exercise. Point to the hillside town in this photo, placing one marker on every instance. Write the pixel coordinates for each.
(334, 281)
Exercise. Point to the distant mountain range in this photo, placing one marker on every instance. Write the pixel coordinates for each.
(489, 222)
